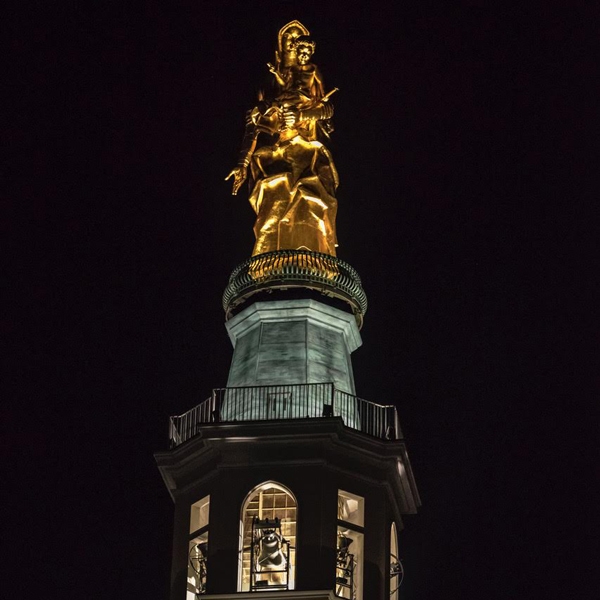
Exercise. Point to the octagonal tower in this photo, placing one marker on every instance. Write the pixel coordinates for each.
(286, 483)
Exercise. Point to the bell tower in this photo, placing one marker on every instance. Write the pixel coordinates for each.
(286, 483)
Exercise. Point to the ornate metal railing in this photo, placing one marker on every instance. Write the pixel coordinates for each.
(296, 269)
(277, 402)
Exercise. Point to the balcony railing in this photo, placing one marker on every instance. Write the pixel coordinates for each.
(276, 402)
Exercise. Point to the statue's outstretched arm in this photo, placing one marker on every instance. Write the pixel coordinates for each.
(278, 76)
(323, 110)
(239, 173)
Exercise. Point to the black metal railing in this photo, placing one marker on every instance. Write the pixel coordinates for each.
(296, 268)
(276, 402)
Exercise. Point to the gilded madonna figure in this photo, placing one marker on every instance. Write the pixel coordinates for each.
(291, 174)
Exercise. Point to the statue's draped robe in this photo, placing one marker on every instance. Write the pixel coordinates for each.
(292, 187)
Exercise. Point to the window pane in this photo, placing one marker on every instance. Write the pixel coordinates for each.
(199, 514)
(351, 508)
(349, 564)
(197, 566)
(396, 572)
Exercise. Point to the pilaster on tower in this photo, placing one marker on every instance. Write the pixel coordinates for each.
(286, 483)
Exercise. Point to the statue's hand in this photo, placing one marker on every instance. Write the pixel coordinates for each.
(290, 116)
(278, 76)
(239, 176)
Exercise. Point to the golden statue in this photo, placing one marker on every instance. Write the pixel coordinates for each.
(292, 176)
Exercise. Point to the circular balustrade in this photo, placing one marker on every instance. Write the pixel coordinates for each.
(285, 269)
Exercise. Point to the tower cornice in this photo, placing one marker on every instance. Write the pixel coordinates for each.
(292, 443)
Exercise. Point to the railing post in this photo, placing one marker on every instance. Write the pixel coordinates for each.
(333, 391)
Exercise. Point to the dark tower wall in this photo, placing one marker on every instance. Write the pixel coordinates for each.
(314, 458)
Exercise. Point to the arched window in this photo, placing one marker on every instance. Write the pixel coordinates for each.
(396, 571)
(198, 549)
(268, 539)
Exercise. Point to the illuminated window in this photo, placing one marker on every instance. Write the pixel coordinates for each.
(268, 539)
(198, 549)
(350, 543)
(396, 571)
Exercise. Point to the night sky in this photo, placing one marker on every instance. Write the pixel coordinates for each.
(454, 142)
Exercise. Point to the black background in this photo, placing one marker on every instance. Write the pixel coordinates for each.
(460, 205)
